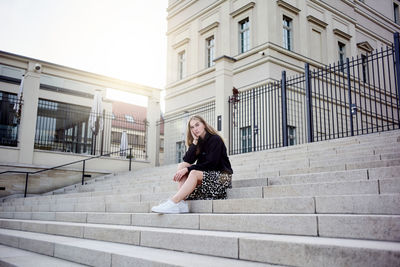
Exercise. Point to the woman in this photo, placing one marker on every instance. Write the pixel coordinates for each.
(209, 177)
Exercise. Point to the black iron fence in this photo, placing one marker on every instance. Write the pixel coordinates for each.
(174, 128)
(358, 96)
(69, 128)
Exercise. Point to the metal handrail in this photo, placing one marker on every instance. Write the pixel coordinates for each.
(74, 162)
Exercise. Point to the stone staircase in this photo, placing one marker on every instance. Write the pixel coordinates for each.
(330, 203)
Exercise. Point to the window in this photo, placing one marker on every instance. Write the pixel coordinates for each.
(396, 12)
(8, 119)
(364, 62)
(342, 54)
(210, 52)
(291, 135)
(245, 132)
(244, 35)
(116, 137)
(287, 33)
(162, 145)
(129, 118)
(182, 65)
(180, 151)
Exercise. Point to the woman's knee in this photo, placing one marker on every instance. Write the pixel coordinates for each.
(197, 175)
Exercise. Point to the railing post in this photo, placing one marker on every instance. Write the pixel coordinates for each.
(310, 134)
(350, 101)
(26, 183)
(397, 63)
(255, 127)
(130, 159)
(83, 172)
(284, 110)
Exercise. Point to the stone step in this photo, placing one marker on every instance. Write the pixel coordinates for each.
(105, 254)
(342, 167)
(322, 152)
(321, 189)
(373, 227)
(311, 251)
(293, 250)
(384, 172)
(308, 189)
(303, 178)
(10, 256)
(360, 174)
(358, 204)
(369, 203)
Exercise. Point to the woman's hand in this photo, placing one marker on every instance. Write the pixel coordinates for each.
(179, 174)
(195, 137)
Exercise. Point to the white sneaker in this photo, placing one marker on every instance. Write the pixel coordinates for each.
(167, 207)
(183, 206)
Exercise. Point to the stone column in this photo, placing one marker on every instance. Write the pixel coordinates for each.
(223, 89)
(27, 127)
(153, 131)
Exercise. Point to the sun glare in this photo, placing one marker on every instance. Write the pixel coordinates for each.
(126, 97)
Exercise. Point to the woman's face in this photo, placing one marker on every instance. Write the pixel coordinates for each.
(197, 128)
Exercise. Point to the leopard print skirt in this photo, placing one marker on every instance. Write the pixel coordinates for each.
(213, 186)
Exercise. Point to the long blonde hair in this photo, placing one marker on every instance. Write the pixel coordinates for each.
(208, 128)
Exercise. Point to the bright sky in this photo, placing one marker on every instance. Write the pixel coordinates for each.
(124, 39)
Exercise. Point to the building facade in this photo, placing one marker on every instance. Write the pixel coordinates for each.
(50, 122)
(214, 46)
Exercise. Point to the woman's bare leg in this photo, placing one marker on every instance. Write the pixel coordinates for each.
(181, 166)
(194, 178)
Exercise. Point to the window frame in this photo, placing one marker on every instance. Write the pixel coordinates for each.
(341, 54)
(182, 64)
(246, 47)
(129, 118)
(210, 51)
(287, 40)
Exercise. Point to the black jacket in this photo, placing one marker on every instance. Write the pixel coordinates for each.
(212, 156)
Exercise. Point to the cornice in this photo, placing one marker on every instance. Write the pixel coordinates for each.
(242, 9)
(317, 21)
(365, 46)
(387, 27)
(225, 57)
(199, 14)
(288, 6)
(209, 27)
(180, 43)
(342, 34)
(376, 13)
(173, 13)
(334, 11)
(173, 5)
(373, 34)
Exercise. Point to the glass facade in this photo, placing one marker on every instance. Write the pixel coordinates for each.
(63, 127)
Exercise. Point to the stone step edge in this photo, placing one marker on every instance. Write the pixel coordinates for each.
(208, 238)
(315, 222)
(22, 258)
(210, 204)
(52, 200)
(102, 253)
